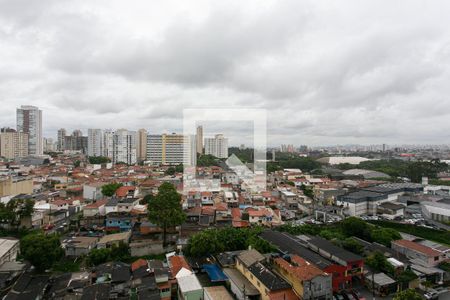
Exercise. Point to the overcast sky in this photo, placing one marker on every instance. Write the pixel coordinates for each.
(328, 72)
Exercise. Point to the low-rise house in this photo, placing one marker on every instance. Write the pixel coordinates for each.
(382, 284)
(116, 221)
(109, 240)
(269, 285)
(80, 245)
(216, 293)
(93, 191)
(240, 286)
(391, 210)
(307, 280)
(96, 208)
(419, 253)
(28, 287)
(189, 288)
(127, 204)
(127, 192)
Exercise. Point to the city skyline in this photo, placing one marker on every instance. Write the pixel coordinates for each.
(328, 73)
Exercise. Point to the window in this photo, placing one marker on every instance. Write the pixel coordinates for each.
(436, 258)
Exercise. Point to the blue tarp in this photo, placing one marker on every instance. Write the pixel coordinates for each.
(215, 273)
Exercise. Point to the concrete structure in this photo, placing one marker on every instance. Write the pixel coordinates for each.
(189, 288)
(10, 186)
(13, 144)
(80, 245)
(199, 139)
(141, 146)
(29, 120)
(418, 253)
(216, 293)
(60, 142)
(108, 145)
(217, 146)
(93, 191)
(171, 149)
(76, 142)
(437, 211)
(95, 142)
(307, 280)
(124, 147)
(9, 248)
(241, 288)
(335, 160)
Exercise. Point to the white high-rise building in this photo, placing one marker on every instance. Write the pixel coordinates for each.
(124, 146)
(61, 138)
(95, 142)
(108, 143)
(217, 146)
(29, 120)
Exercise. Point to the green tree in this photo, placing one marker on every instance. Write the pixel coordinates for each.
(353, 245)
(170, 171)
(98, 256)
(120, 252)
(408, 295)
(307, 191)
(15, 210)
(179, 168)
(98, 160)
(165, 209)
(385, 236)
(109, 189)
(77, 163)
(147, 199)
(355, 227)
(207, 160)
(41, 250)
(378, 262)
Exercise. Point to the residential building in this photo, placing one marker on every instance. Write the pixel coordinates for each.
(240, 286)
(80, 245)
(93, 191)
(124, 147)
(76, 142)
(217, 146)
(9, 248)
(307, 280)
(13, 144)
(269, 285)
(49, 145)
(60, 143)
(95, 142)
(418, 253)
(141, 145)
(171, 149)
(29, 120)
(11, 186)
(108, 144)
(216, 293)
(94, 209)
(199, 139)
(189, 288)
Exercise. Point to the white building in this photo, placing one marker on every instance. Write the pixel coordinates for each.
(61, 137)
(217, 146)
(95, 142)
(124, 147)
(29, 120)
(108, 143)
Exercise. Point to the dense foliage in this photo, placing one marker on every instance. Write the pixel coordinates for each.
(439, 236)
(109, 189)
(378, 263)
(213, 241)
(293, 161)
(12, 212)
(408, 294)
(414, 170)
(115, 253)
(98, 160)
(41, 250)
(207, 160)
(165, 208)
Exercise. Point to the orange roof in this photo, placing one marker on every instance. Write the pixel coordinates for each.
(139, 263)
(300, 268)
(258, 213)
(236, 213)
(238, 224)
(417, 247)
(96, 204)
(123, 190)
(177, 263)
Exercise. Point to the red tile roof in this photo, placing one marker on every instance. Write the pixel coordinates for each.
(176, 263)
(139, 263)
(299, 268)
(123, 190)
(96, 204)
(417, 247)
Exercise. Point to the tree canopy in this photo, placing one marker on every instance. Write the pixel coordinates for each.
(109, 189)
(165, 208)
(12, 212)
(41, 250)
(408, 294)
(98, 160)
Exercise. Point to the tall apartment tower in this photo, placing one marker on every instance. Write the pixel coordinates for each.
(124, 146)
(29, 120)
(95, 142)
(217, 146)
(141, 146)
(108, 143)
(13, 144)
(60, 143)
(199, 139)
(171, 149)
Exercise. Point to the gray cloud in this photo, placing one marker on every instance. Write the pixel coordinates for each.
(354, 72)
